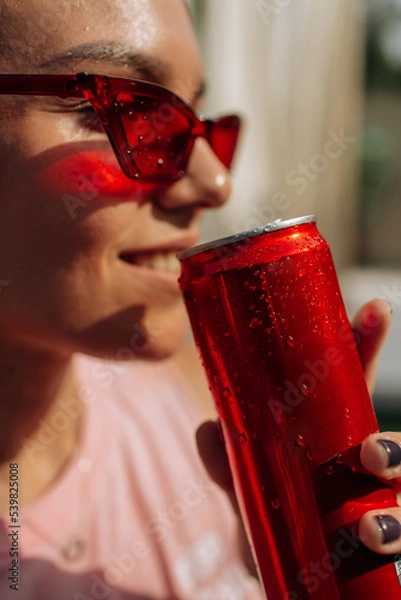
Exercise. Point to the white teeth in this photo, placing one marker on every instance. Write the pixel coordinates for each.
(163, 261)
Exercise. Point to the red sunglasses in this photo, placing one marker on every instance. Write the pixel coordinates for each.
(152, 131)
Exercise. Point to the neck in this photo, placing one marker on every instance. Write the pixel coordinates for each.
(36, 430)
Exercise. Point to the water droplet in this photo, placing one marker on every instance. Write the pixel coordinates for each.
(330, 470)
(340, 459)
(160, 162)
(290, 342)
(254, 436)
(300, 441)
(304, 390)
(242, 438)
(216, 379)
(310, 455)
(227, 333)
(275, 503)
(350, 440)
(251, 404)
(347, 413)
(255, 323)
(227, 392)
(140, 138)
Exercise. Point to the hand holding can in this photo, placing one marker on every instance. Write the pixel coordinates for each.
(281, 360)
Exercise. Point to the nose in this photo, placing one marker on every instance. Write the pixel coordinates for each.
(207, 183)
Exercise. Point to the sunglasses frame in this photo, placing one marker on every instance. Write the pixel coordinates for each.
(102, 91)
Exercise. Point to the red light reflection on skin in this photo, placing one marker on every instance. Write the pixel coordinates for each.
(91, 174)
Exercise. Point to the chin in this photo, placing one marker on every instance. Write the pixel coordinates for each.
(156, 336)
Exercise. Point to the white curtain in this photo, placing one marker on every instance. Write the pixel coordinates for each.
(293, 68)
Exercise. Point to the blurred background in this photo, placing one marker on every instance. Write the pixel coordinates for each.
(319, 86)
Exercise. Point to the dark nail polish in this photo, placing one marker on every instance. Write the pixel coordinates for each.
(393, 451)
(390, 528)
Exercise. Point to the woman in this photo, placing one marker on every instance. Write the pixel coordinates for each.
(112, 501)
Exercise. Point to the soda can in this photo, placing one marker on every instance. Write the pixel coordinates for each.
(283, 366)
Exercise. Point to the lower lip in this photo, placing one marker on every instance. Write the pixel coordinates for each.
(159, 279)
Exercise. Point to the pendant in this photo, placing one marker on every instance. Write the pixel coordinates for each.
(74, 550)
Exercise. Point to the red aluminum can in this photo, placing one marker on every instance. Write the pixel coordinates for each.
(282, 364)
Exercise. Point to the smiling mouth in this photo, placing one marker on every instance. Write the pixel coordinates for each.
(160, 261)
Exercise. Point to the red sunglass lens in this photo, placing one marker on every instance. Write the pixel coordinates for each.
(223, 136)
(157, 135)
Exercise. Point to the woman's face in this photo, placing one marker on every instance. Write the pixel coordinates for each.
(87, 257)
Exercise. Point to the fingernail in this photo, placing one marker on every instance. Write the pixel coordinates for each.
(390, 528)
(393, 452)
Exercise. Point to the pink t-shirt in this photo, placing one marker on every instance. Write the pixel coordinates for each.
(134, 515)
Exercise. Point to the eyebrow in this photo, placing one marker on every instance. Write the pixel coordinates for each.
(113, 53)
(147, 67)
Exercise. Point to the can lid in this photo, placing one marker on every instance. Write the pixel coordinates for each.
(231, 239)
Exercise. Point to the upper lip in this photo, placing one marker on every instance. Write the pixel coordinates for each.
(174, 245)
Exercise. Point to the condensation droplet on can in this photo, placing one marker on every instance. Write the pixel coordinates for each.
(330, 470)
(347, 413)
(290, 342)
(350, 440)
(242, 438)
(300, 440)
(275, 503)
(255, 323)
(227, 392)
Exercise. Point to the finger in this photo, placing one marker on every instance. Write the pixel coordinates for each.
(381, 455)
(380, 530)
(371, 325)
(213, 454)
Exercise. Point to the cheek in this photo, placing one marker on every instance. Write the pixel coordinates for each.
(87, 175)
